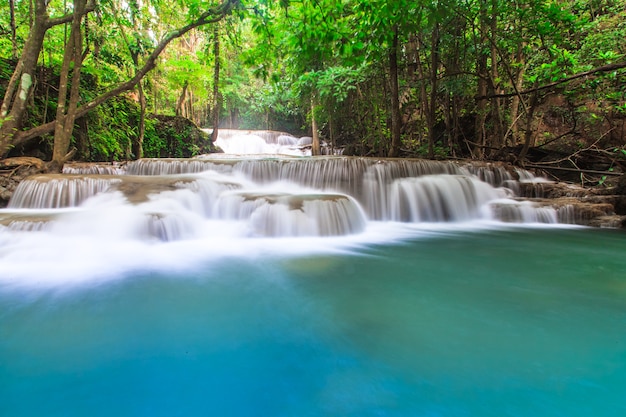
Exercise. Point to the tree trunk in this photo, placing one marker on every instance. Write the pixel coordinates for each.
(528, 136)
(13, 29)
(17, 137)
(216, 83)
(497, 133)
(66, 115)
(394, 150)
(315, 149)
(432, 111)
(452, 68)
(424, 106)
(134, 50)
(138, 148)
(516, 101)
(15, 99)
(180, 103)
(332, 135)
(480, 130)
(138, 151)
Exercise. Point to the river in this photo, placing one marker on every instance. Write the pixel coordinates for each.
(226, 292)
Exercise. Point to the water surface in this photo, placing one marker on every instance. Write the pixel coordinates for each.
(508, 322)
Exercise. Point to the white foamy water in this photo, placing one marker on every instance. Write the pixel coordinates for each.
(260, 142)
(179, 214)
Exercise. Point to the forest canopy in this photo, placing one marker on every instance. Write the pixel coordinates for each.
(472, 78)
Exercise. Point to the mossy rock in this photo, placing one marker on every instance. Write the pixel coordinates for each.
(177, 137)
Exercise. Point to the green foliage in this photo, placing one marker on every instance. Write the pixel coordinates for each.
(112, 128)
(173, 137)
(154, 144)
(333, 84)
(277, 58)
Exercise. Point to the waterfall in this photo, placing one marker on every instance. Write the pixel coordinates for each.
(251, 142)
(293, 215)
(241, 142)
(180, 199)
(158, 166)
(524, 212)
(26, 221)
(177, 212)
(56, 191)
(366, 179)
(439, 198)
(96, 169)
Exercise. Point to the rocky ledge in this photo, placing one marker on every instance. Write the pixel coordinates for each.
(13, 171)
(588, 206)
(597, 207)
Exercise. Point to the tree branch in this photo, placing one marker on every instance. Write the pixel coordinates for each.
(604, 68)
(212, 15)
(91, 6)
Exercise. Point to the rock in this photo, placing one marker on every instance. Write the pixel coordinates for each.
(180, 138)
(5, 194)
(14, 170)
(612, 222)
(583, 211)
(23, 162)
(551, 190)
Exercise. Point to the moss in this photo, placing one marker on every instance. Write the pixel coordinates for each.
(176, 137)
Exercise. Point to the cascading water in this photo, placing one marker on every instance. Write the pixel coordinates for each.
(411, 191)
(226, 198)
(440, 198)
(55, 191)
(285, 214)
(327, 196)
(259, 142)
(255, 142)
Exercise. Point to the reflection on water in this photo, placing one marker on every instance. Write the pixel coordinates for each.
(519, 322)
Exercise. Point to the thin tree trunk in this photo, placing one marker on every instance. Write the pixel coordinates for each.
(315, 149)
(137, 144)
(13, 29)
(20, 85)
(425, 108)
(453, 67)
(528, 136)
(216, 84)
(432, 112)
(189, 114)
(332, 134)
(515, 104)
(480, 129)
(394, 150)
(180, 103)
(15, 99)
(138, 151)
(134, 52)
(497, 134)
(66, 115)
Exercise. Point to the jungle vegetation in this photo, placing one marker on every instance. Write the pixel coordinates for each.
(438, 78)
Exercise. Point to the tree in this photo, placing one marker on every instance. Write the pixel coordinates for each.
(20, 85)
(11, 134)
(72, 60)
(217, 100)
